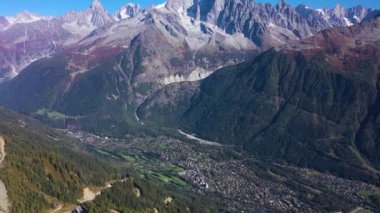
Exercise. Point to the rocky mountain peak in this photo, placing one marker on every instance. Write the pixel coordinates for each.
(180, 6)
(129, 10)
(339, 10)
(304, 10)
(25, 17)
(96, 5)
(3, 20)
(99, 15)
(3, 23)
(358, 13)
(264, 25)
(282, 3)
(95, 16)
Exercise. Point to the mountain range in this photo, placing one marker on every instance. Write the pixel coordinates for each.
(312, 103)
(285, 85)
(28, 37)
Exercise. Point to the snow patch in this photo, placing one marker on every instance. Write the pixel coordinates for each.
(113, 97)
(347, 22)
(123, 14)
(138, 119)
(324, 15)
(356, 18)
(13, 72)
(160, 6)
(320, 11)
(196, 75)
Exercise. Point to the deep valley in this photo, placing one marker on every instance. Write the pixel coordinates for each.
(190, 106)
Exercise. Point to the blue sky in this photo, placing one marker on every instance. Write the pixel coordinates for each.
(58, 7)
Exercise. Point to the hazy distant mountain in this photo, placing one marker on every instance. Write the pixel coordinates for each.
(27, 37)
(23, 18)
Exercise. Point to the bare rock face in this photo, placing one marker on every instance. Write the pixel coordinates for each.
(129, 10)
(180, 6)
(88, 20)
(25, 17)
(100, 16)
(3, 22)
(264, 25)
(268, 25)
(357, 14)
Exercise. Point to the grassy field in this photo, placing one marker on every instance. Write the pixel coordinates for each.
(146, 167)
(367, 193)
(52, 114)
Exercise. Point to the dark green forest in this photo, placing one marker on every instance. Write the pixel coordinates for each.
(39, 168)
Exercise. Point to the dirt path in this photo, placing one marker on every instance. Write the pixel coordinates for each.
(2, 149)
(359, 209)
(4, 204)
(59, 207)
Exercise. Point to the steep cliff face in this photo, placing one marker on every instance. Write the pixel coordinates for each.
(129, 10)
(27, 37)
(267, 25)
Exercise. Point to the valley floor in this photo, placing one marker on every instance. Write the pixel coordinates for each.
(243, 182)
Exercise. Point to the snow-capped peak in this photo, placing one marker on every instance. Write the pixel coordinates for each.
(84, 22)
(160, 6)
(129, 10)
(339, 10)
(25, 17)
(179, 6)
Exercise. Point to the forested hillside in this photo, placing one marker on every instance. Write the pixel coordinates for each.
(40, 168)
